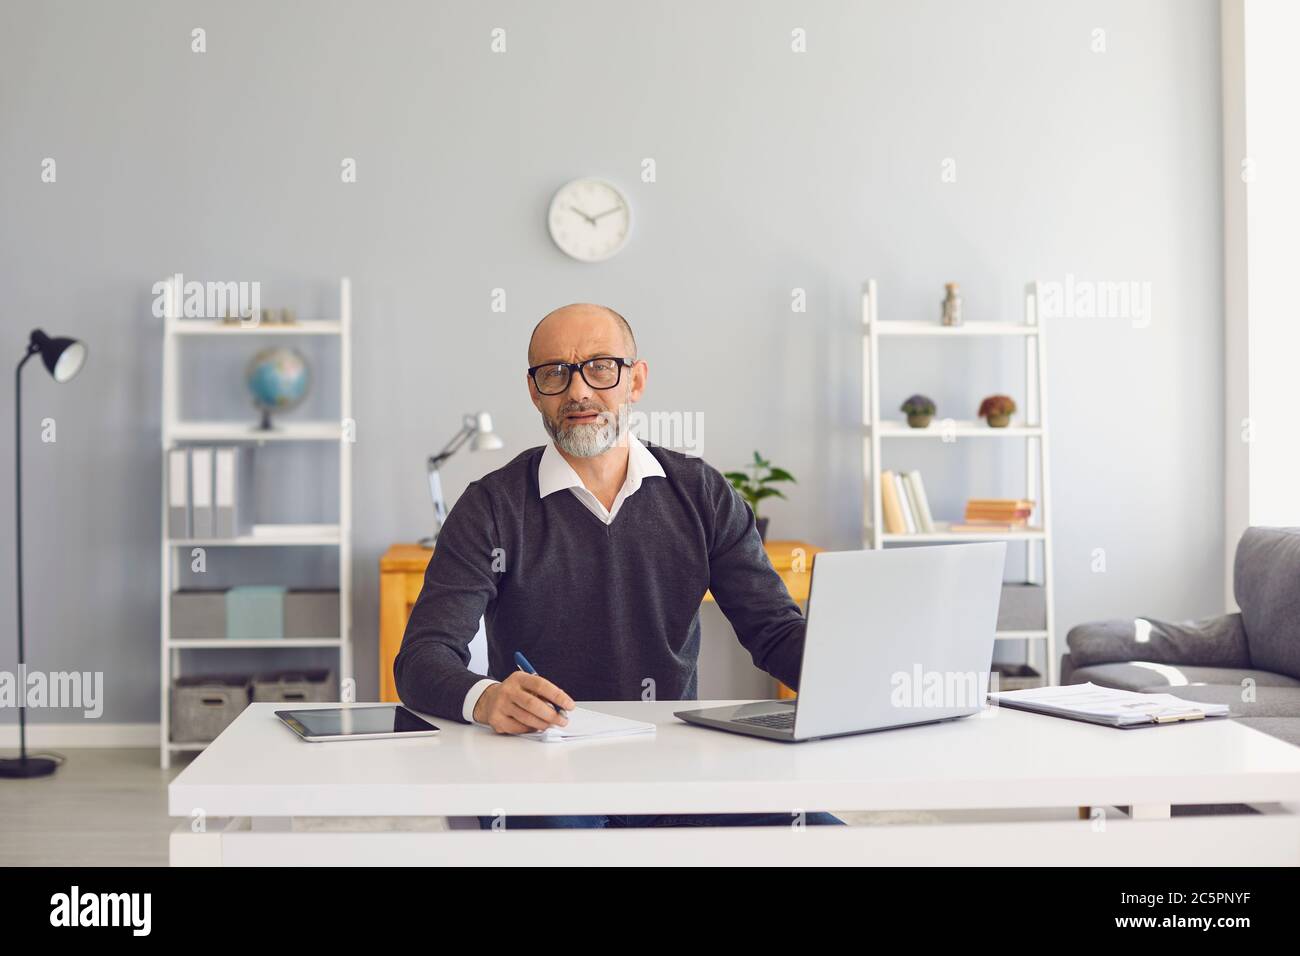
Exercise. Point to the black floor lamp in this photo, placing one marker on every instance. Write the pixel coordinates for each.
(63, 358)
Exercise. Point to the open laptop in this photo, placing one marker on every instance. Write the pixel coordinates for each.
(895, 638)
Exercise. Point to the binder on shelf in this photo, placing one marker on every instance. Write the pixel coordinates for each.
(232, 491)
(201, 519)
(178, 493)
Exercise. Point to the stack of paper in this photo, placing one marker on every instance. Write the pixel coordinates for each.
(589, 724)
(1106, 705)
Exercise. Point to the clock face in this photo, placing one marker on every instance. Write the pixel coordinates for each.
(589, 219)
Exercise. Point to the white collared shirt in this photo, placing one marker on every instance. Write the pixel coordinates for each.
(555, 474)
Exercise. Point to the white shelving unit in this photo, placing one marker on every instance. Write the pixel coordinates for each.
(178, 432)
(1037, 539)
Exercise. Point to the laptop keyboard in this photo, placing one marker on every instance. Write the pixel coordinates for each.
(784, 720)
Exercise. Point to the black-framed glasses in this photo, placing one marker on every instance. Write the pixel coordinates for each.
(603, 371)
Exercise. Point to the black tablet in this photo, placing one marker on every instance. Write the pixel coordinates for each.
(356, 723)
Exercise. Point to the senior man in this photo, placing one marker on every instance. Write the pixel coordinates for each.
(591, 555)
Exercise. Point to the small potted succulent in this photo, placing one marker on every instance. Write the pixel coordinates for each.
(997, 409)
(755, 488)
(919, 409)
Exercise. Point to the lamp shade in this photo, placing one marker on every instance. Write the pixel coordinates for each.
(63, 357)
(485, 439)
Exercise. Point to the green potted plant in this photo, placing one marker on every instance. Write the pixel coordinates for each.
(997, 410)
(754, 488)
(919, 409)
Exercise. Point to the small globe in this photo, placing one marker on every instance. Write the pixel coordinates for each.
(279, 379)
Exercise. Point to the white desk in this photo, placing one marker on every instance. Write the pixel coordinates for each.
(251, 789)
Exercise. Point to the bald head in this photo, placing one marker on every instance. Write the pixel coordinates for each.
(579, 331)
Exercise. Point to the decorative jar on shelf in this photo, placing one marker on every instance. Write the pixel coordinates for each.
(951, 308)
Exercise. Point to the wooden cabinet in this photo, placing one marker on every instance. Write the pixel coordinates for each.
(401, 575)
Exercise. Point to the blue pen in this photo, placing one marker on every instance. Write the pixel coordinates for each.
(522, 663)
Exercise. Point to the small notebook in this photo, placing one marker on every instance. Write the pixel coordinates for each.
(1106, 705)
(589, 725)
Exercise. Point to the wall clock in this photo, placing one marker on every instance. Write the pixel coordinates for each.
(589, 219)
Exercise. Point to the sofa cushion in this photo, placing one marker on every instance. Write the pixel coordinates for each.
(1266, 584)
(1151, 676)
(1211, 642)
(1064, 672)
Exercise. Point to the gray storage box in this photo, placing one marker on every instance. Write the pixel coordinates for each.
(313, 613)
(255, 612)
(198, 614)
(309, 686)
(202, 707)
(1023, 608)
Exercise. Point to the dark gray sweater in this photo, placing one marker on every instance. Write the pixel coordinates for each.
(606, 612)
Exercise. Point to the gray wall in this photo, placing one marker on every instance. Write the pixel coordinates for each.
(775, 171)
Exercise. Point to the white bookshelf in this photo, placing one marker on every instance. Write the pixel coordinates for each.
(1031, 427)
(177, 432)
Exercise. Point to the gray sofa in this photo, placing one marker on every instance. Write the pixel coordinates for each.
(1248, 660)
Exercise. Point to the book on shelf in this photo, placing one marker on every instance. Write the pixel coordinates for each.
(905, 509)
(998, 507)
(1008, 511)
(900, 491)
(984, 527)
(904, 506)
(891, 509)
(980, 517)
(920, 504)
(913, 507)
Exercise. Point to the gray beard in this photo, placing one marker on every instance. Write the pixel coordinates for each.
(587, 441)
